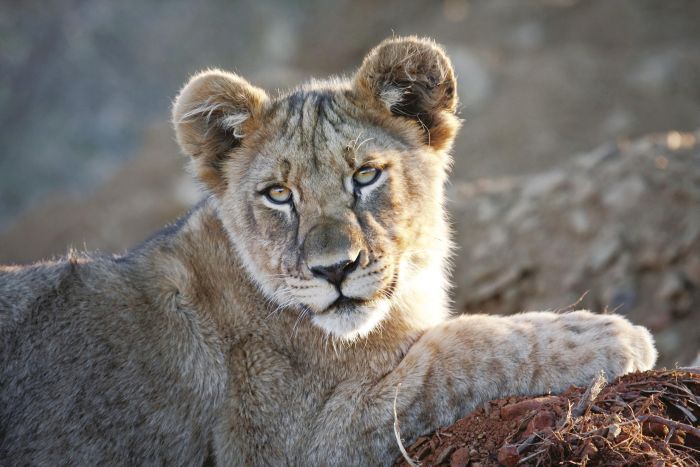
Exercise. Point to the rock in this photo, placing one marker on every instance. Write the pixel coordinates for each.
(579, 221)
(545, 183)
(603, 251)
(460, 458)
(626, 194)
(613, 432)
(508, 456)
(655, 429)
(540, 422)
(515, 411)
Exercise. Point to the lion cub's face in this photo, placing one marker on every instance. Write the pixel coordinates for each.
(329, 193)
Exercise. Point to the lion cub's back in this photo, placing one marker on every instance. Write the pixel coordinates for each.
(20, 286)
(92, 366)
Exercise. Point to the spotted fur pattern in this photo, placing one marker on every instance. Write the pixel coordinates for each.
(219, 337)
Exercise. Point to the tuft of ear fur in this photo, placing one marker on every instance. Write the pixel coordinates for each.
(212, 114)
(413, 78)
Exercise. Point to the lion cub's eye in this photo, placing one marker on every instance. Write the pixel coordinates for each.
(279, 194)
(366, 176)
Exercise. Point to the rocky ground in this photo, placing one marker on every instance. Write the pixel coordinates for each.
(614, 229)
(650, 418)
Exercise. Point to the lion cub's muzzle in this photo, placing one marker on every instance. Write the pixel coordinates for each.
(338, 272)
(333, 249)
(345, 287)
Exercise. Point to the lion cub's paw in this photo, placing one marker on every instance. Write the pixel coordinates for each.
(625, 347)
(637, 348)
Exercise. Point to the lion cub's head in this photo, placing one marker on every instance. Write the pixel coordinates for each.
(332, 193)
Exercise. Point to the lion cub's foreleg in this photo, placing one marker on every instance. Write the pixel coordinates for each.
(466, 361)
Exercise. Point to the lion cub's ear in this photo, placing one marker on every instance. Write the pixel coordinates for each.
(412, 78)
(212, 114)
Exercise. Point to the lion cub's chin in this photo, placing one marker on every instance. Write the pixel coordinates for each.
(353, 323)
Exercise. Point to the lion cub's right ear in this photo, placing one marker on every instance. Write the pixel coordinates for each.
(211, 115)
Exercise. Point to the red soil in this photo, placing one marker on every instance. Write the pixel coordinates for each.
(649, 418)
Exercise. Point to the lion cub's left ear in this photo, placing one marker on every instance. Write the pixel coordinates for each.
(212, 116)
(412, 78)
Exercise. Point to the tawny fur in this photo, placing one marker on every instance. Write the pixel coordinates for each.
(216, 338)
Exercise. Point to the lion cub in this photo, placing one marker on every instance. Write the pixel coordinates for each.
(274, 323)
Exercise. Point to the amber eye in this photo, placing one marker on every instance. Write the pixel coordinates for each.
(279, 194)
(366, 176)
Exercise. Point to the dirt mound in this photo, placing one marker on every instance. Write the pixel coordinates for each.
(650, 418)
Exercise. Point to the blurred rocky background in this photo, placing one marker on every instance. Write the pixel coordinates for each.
(557, 196)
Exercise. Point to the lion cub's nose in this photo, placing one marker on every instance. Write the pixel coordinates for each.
(336, 273)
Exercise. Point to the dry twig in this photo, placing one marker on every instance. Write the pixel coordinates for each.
(671, 424)
(589, 396)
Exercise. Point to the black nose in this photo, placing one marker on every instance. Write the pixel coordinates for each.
(336, 273)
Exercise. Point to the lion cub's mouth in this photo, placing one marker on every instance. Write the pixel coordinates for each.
(351, 316)
(344, 304)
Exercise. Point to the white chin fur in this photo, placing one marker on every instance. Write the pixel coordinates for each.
(355, 324)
